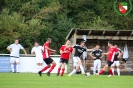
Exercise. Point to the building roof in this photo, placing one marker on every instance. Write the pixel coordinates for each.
(101, 33)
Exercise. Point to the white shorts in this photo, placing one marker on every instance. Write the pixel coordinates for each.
(76, 60)
(116, 63)
(13, 59)
(39, 59)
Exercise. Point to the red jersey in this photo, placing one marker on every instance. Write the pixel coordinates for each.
(111, 53)
(68, 50)
(46, 52)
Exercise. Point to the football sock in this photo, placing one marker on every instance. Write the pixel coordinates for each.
(12, 67)
(118, 71)
(74, 71)
(38, 68)
(110, 71)
(82, 69)
(58, 72)
(45, 68)
(63, 69)
(17, 68)
(52, 67)
(101, 72)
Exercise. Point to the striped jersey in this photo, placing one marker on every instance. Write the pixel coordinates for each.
(111, 53)
(46, 52)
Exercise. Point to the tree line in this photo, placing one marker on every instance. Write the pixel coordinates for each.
(36, 20)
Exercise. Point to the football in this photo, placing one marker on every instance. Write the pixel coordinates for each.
(88, 74)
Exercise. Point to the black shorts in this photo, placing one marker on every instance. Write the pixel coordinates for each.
(63, 60)
(48, 60)
(109, 63)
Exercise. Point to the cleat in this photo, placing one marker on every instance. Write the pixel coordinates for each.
(97, 74)
(69, 75)
(57, 74)
(110, 75)
(61, 75)
(40, 73)
(83, 73)
(48, 74)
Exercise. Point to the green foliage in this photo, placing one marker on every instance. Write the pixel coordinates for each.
(31, 20)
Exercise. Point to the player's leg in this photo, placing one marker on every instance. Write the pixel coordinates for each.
(46, 67)
(102, 71)
(80, 65)
(52, 67)
(37, 64)
(18, 63)
(94, 68)
(60, 65)
(12, 63)
(59, 68)
(63, 68)
(99, 65)
(75, 60)
(112, 67)
(118, 68)
(74, 70)
(40, 63)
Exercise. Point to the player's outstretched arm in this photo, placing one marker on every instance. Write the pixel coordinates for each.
(90, 49)
(50, 49)
(24, 51)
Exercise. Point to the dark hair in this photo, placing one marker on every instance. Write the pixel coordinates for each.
(67, 40)
(97, 44)
(82, 42)
(111, 42)
(36, 42)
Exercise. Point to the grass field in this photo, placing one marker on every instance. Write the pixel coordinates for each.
(30, 80)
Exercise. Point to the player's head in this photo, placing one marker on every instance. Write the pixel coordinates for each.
(36, 43)
(115, 45)
(82, 43)
(97, 46)
(16, 41)
(110, 43)
(68, 42)
(49, 40)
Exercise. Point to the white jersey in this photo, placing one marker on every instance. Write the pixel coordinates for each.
(37, 50)
(15, 49)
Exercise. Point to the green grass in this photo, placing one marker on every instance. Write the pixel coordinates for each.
(30, 80)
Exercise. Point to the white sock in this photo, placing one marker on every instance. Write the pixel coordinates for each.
(17, 68)
(113, 70)
(74, 71)
(82, 69)
(12, 67)
(118, 71)
(40, 68)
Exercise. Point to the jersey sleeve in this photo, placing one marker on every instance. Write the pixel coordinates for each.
(10, 46)
(75, 46)
(93, 52)
(116, 50)
(71, 49)
(33, 50)
(21, 47)
(61, 48)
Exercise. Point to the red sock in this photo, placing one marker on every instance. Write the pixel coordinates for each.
(45, 68)
(110, 71)
(52, 67)
(63, 69)
(101, 72)
(58, 71)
